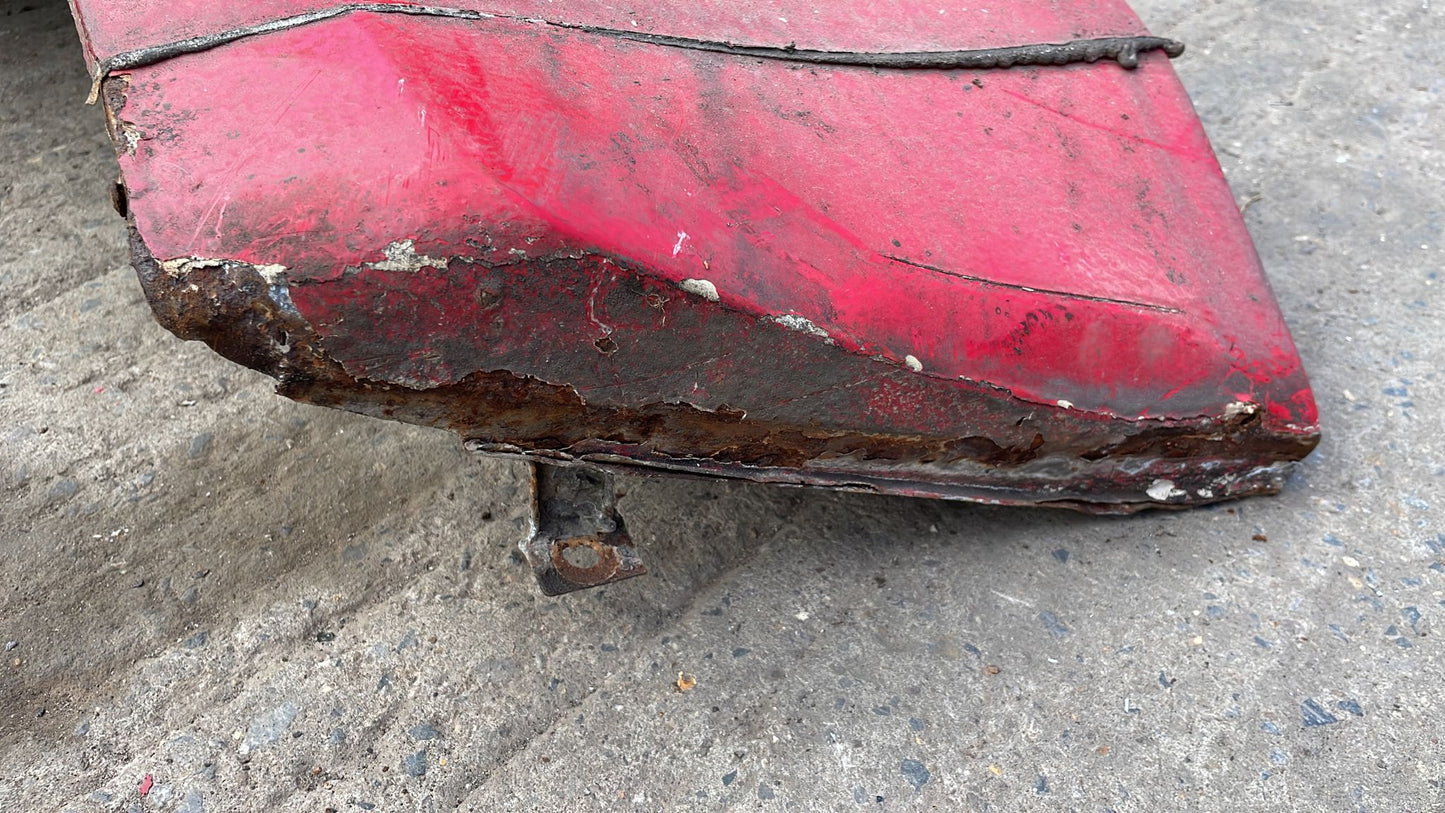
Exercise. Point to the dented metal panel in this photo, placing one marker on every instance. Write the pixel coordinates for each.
(854, 249)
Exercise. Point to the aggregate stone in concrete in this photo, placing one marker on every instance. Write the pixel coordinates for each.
(240, 603)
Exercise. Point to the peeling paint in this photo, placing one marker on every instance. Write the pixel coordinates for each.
(792, 321)
(273, 274)
(181, 266)
(401, 256)
(130, 137)
(700, 287)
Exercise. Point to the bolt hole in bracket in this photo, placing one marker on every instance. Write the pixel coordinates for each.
(578, 538)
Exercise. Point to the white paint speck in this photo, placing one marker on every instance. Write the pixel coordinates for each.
(1164, 491)
(913, 363)
(1350, 561)
(1065, 404)
(802, 324)
(802, 615)
(681, 238)
(700, 287)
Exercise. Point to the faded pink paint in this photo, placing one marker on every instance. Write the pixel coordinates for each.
(1080, 241)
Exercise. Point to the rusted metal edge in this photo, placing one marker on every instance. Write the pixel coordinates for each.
(577, 539)
(1123, 50)
(1210, 424)
(1169, 485)
(246, 317)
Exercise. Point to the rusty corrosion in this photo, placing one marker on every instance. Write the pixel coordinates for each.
(578, 539)
(1038, 456)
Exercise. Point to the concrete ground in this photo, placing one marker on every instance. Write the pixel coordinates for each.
(265, 606)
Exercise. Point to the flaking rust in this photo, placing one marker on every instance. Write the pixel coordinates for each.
(679, 252)
(554, 396)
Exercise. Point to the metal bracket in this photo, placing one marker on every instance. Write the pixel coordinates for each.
(578, 538)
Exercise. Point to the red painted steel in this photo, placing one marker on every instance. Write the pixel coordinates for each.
(1051, 238)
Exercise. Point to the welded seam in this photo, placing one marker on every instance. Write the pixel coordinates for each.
(1123, 50)
(1032, 290)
